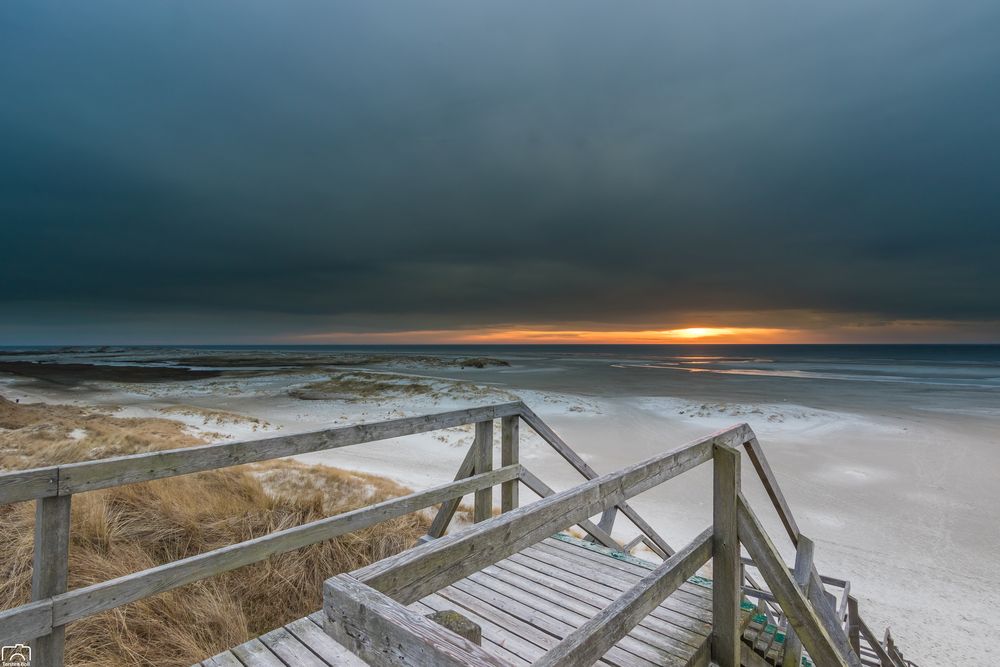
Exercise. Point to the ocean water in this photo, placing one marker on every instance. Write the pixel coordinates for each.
(847, 375)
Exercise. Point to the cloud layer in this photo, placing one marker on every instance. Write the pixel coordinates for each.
(287, 168)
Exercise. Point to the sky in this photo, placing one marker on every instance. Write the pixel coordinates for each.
(465, 171)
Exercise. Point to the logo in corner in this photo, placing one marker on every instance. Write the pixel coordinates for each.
(16, 655)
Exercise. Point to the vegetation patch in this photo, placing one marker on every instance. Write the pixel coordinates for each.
(122, 530)
(364, 386)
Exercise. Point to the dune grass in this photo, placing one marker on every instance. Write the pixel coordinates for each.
(122, 530)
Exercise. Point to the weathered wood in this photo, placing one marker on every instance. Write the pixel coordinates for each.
(823, 604)
(797, 608)
(494, 624)
(312, 635)
(461, 625)
(226, 659)
(873, 641)
(593, 596)
(22, 485)
(533, 623)
(439, 526)
(90, 475)
(676, 609)
(544, 491)
(853, 627)
(571, 457)
(583, 610)
(25, 622)
(592, 640)
(570, 619)
(759, 461)
(387, 634)
(290, 650)
(483, 446)
(410, 575)
(509, 455)
(50, 571)
(727, 582)
(106, 595)
(255, 654)
(803, 568)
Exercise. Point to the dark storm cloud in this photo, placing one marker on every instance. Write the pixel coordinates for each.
(454, 163)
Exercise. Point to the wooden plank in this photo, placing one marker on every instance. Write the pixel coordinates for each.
(323, 644)
(224, 659)
(90, 475)
(690, 600)
(385, 633)
(24, 622)
(873, 642)
(586, 610)
(582, 590)
(770, 482)
(565, 451)
(49, 572)
(727, 581)
(509, 455)
(589, 583)
(803, 568)
(483, 446)
(21, 485)
(106, 595)
(439, 526)
(290, 650)
(412, 574)
(793, 602)
(531, 624)
(627, 651)
(853, 628)
(255, 654)
(497, 639)
(591, 640)
(544, 491)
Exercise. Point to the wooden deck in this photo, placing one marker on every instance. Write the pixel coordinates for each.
(526, 604)
(541, 600)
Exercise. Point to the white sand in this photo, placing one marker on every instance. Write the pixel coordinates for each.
(913, 524)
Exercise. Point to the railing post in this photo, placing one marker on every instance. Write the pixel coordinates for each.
(509, 456)
(802, 574)
(853, 627)
(49, 571)
(726, 585)
(483, 445)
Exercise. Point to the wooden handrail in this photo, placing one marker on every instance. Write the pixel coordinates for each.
(410, 575)
(586, 644)
(800, 612)
(83, 602)
(571, 457)
(72, 478)
(543, 490)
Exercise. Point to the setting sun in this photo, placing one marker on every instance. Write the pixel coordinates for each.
(527, 335)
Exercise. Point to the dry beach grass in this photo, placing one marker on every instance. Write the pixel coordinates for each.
(126, 529)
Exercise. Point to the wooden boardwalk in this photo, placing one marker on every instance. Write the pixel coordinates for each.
(539, 597)
(525, 605)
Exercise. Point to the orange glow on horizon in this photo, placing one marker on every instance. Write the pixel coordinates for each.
(513, 336)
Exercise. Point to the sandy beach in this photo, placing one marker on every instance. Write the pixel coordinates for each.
(902, 502)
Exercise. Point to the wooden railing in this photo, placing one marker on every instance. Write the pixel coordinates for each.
(396, 581)
(383, 637)
(43, 620)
